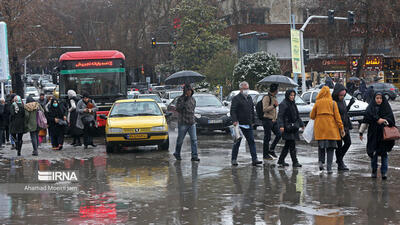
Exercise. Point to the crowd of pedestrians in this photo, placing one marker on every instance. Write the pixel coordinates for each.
(331, 126)
(47, 116)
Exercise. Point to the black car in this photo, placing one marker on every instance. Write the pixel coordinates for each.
(389, 91)
(210, 113)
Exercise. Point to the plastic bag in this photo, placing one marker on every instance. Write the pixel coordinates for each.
(308, 133)
(236, 133)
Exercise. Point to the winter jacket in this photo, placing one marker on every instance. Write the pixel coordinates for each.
(375, 142)
(31, 110)
(269, 108)
(343, 108)
(55, 112)
(289, 119)
(17, 119)
(327, 117)
(242, 109)
(186, 106)
(73, 116)
(3, 117)
(43, 102)
(82, 115)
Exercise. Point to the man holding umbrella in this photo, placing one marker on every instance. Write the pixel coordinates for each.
(185, 106)
(242, 113)
(270, 103)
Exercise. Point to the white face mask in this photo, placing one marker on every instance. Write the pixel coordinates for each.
(245, 92)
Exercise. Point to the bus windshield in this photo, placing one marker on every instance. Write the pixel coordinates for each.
(94, 84)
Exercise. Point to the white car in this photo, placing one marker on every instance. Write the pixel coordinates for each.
(228, 100)
(356, 112)
(170, 96)
(154, 97)
(33, 92)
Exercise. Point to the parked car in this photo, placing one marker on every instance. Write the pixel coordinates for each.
(169, 96)
(210, 113)
(136, 122)
(32, 91)
(156, 98)
(356, 112)
(228, 100)
(389, 91)
(302, 106)
(132, 94)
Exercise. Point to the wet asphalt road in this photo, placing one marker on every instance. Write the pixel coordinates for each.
(147, 186)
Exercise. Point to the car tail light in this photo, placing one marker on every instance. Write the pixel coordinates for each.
(392, 89)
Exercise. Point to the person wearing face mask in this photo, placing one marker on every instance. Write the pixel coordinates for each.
(17, 122)
(86, 119)
(57, 123)
(242, 113)
(289, 123)
(378, 115)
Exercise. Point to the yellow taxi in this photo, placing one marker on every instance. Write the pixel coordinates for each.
(136, 122)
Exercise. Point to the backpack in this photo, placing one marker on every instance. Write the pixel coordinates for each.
(259, 108)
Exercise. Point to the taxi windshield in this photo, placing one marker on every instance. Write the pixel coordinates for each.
(130, 109)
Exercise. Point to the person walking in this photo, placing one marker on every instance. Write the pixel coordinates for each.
(86, 119)
(328, 127)
(369, 95)
(270, 123)
(378, 114)
(3, 119)
(185, 106)
(289, 124)
(363, 88)
(338, 94)
(17, 122)
(57, 124)
(72, 117)
(31, 123)
(242, 113)
(42, 101)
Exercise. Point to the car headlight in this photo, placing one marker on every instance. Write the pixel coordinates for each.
(115, 130)
(158, 128)
(198, 116)
(228, 114)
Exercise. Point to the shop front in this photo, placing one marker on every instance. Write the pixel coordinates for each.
(372, 69)
(391, 71)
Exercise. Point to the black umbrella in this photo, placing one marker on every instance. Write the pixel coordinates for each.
(279, 79)
(354, 79)
(184, 77)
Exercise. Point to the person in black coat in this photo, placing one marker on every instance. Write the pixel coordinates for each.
(3, 120)
(369, 95)
(57, 124)
(338, 94)
(378, 115)
(242, 113)
(17, 122)
(289, 122)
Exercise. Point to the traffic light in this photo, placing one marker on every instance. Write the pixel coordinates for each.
(306, 55)
(331, 16)
(174, 43)
(153, 42)
(177, 23)
(350, 17)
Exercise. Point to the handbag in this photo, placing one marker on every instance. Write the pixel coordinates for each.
(41, 119)
(390, 133)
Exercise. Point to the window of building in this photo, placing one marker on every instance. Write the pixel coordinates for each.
(257, 16)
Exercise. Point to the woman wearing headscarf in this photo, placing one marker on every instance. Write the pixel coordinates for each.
(74, 131)
(57, 122)
(289, 123)
(378, 114)
(31, 123)
(17, 122)
(328, 127)
(86, 119)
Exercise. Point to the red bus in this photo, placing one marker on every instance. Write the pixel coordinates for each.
(99, 73)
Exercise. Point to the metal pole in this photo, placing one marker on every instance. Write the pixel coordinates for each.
(2, 91)
(303, 71)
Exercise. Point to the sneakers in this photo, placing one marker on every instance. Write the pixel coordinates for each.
(195, 159)
(272, 153)
(384, 177)
(282, 164)
(177, 157)
(35, 154)
(297, 165)
(268, 157)
(321, 166)
(342, 167)
(234, 163)
(373, 175)
(256, 162)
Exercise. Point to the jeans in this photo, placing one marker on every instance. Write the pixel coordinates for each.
(290, 146)
(248, 134)
(87, 135)
(182, 130)
(384, 163)
(329, 153)
(269, 126)
(35, 140)
(342, 148)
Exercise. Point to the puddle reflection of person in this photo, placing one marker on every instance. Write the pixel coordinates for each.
(245, 211)
(290, 196)
(379, 210)
(272, 187)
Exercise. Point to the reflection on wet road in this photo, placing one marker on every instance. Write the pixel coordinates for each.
(147, 186)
